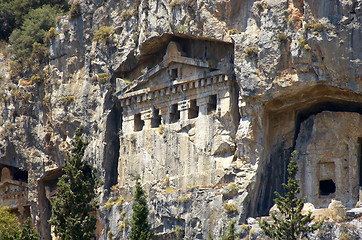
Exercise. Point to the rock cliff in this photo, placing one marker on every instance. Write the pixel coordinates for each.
(296, 69)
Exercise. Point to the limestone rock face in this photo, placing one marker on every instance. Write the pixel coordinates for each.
(296, 69)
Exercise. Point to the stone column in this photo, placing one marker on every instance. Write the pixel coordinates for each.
(224, 99)
(202, 104)
(146, 116)
(127, 120)
(165, 117)
(183, 108)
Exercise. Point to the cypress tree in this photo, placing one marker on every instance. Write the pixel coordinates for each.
(140, 229)
(76, 196)
(292, 224)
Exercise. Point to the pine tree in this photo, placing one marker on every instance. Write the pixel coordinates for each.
(76, 196)
(231, 232)
(140, 229)
(28, 232)
(292, 224)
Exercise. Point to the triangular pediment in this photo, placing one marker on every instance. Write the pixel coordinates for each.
(174, 68)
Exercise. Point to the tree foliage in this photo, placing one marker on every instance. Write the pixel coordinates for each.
(140, 229)
(291, 224)
(9, 224)
(36, 24)
(76, 197)
(230, 234)
(14, 12)
(28, 232)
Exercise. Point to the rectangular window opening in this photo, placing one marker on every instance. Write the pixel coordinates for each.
(138, 123)
(174, 74)
(211, 106)
(174, 114)
(156, 118)
(193, 110)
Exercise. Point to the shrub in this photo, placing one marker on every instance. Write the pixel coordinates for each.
(233, 187)
(170, 190)
(9, 224)
(126, 14)
(20, 95)
(50, 35)
(67, 99)
(27, 231)
(303, 44)
(74, 11)
(183, 199)
(251, 52)
(120, 201)
(230, 208)
(103, 78)
(179, 232)
(103, 34)
(174, 3)
(38, 57)
(318, 27)
(160, 130)
(234, 31)
(282, 37)
(231, 233)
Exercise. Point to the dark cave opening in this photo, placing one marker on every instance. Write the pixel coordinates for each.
(111, 150)
(331, 105)
(327, 187)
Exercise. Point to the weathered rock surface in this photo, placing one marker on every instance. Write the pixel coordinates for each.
(295, 62)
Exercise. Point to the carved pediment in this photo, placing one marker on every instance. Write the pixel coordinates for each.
(174, 68)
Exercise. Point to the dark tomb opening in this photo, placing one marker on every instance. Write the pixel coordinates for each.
(211, 106)
(156, 118)
(193, 110)
(174, 114)
(326, 187)
(174, 74)
(138, 122)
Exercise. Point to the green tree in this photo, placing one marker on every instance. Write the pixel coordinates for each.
(36, 24)
(7, 19)
(9, 224)
(291, 224)
(14, 12)
(27, 231)
(231, 232)
(76, 197)
(140, 229)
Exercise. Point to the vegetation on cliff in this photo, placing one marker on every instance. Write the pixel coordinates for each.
(14, 13)
(9, 224)
(10, 228)
(76, 197)
(28, 232)
(25, 24)
(140, 229)
(291, 224)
